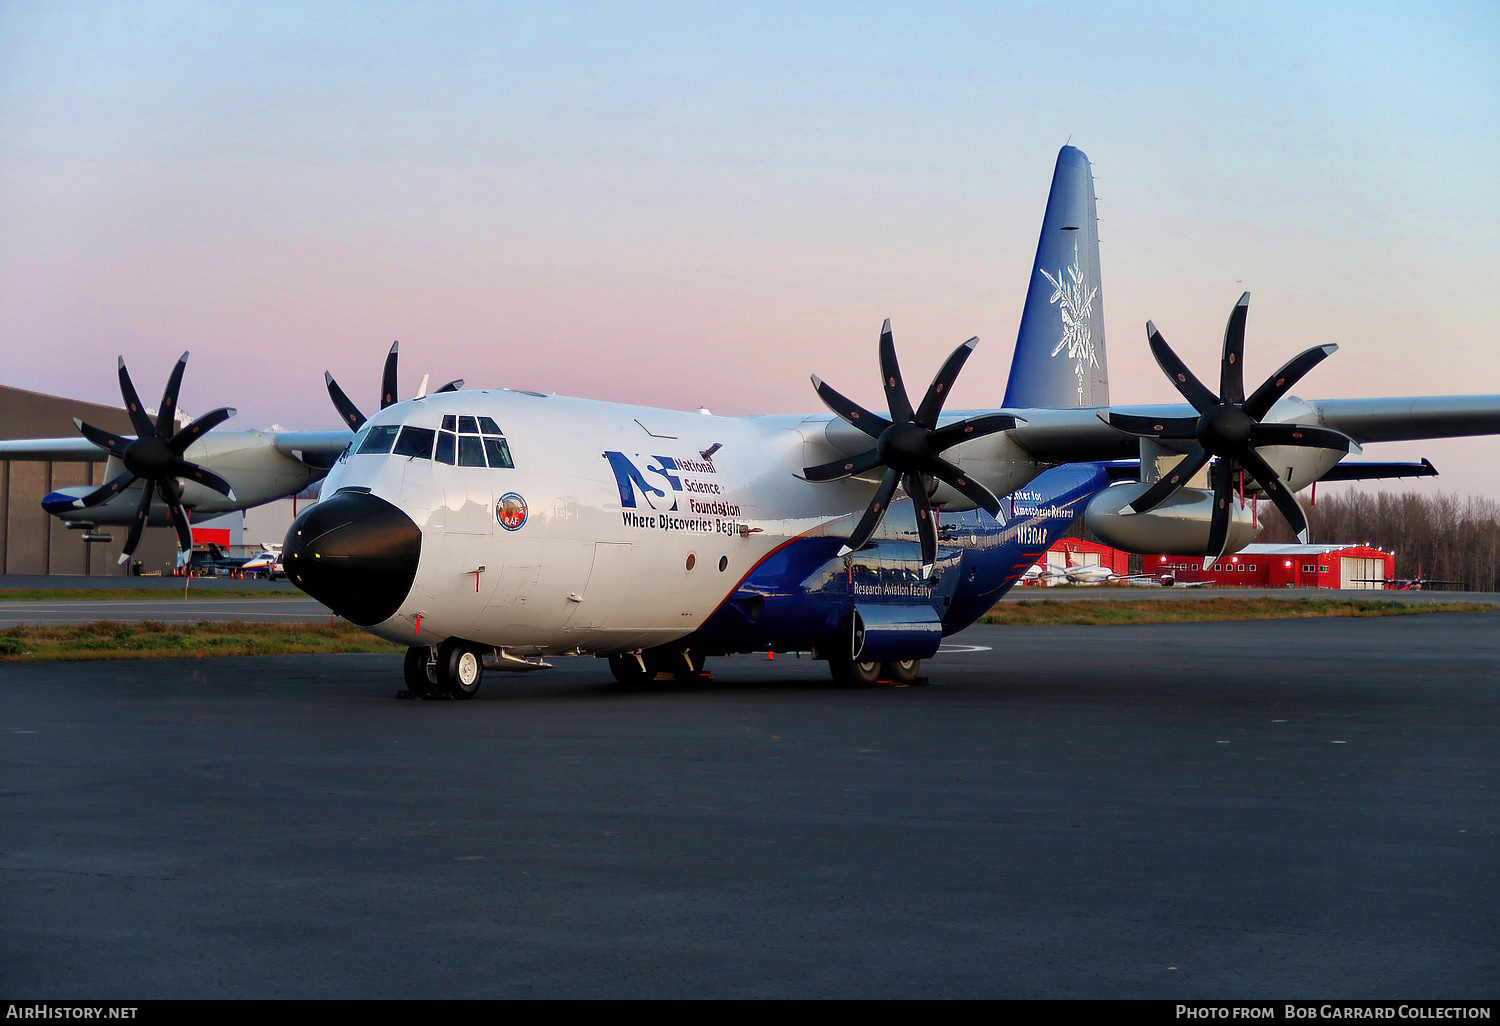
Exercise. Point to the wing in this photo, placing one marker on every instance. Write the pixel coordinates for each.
(55, 450)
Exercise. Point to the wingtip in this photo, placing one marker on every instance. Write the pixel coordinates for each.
(123, 557)
(1244, 300)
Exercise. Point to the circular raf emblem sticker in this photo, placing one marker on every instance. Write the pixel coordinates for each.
(510, 511)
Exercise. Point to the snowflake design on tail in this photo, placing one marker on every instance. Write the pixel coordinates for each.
(1077, 310)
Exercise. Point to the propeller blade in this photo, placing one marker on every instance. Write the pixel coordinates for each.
(1231, 367)
(1303, 435)
(842, 468)
(138, 416)
(179, 521)
(1218, 531)
(926, 520)
(452, 386)
(890, 377)
(197, 429)
(975, 427)
(202, 475)
(388, 377)
(110, 443)
(166, 419)
(1169, 482)
(874, 513)
(1278, 384)
(955, 478)
(1154, 427)
(114, 486)
(347, 409)
(942, 384)
(1276, 490)
(137, 525)
(1193, 390)
(870, 423)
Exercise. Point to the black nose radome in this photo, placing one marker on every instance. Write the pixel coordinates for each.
(356, 554)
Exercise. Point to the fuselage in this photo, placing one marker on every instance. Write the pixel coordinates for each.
(547, 524)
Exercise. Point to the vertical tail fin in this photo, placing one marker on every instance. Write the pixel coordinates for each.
(1059, 359)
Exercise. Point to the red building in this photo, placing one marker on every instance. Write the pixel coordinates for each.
(1075, 552)
(1356, 567)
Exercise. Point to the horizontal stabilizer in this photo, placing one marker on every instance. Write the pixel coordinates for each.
(1379, 471)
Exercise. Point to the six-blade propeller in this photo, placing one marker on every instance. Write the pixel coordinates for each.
(908, 446)
(155, 456)
(1230, 427)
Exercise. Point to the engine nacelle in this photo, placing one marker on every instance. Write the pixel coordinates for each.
(1178, 527)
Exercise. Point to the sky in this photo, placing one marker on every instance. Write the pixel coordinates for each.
(697, 204)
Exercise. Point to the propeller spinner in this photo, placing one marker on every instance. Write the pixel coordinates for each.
(909, 445)
(351, 414)
(155, 456)
(1230, 427)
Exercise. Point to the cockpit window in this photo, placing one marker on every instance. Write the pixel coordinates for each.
(379, 440)
(498, 452)
(470, 451)
(415, 441)
(462, 441)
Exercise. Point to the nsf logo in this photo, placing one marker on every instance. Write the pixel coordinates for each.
(510, 511)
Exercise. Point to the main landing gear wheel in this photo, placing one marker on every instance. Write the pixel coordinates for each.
(627, 669)
(852, 674)
(848, 673)
(460, 668)
(419, 671)
(901, 671)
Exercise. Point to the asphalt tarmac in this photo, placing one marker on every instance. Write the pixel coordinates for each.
(189, 600)
(1271, 810)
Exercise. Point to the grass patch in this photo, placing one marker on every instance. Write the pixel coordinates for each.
(1103, 612)
(113, 639)
(115, 594)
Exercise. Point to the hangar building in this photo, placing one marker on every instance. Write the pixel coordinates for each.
(1353, 567)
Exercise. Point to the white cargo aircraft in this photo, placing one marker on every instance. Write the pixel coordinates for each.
(492, 526)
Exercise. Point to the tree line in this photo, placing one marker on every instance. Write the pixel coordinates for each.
(1444, 537)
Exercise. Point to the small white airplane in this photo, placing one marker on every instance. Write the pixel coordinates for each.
(265, 563)
(502, 526)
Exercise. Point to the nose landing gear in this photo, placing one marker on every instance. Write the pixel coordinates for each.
(454, 669)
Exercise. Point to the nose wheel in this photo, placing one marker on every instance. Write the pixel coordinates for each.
(455, 670)
(460, 668)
